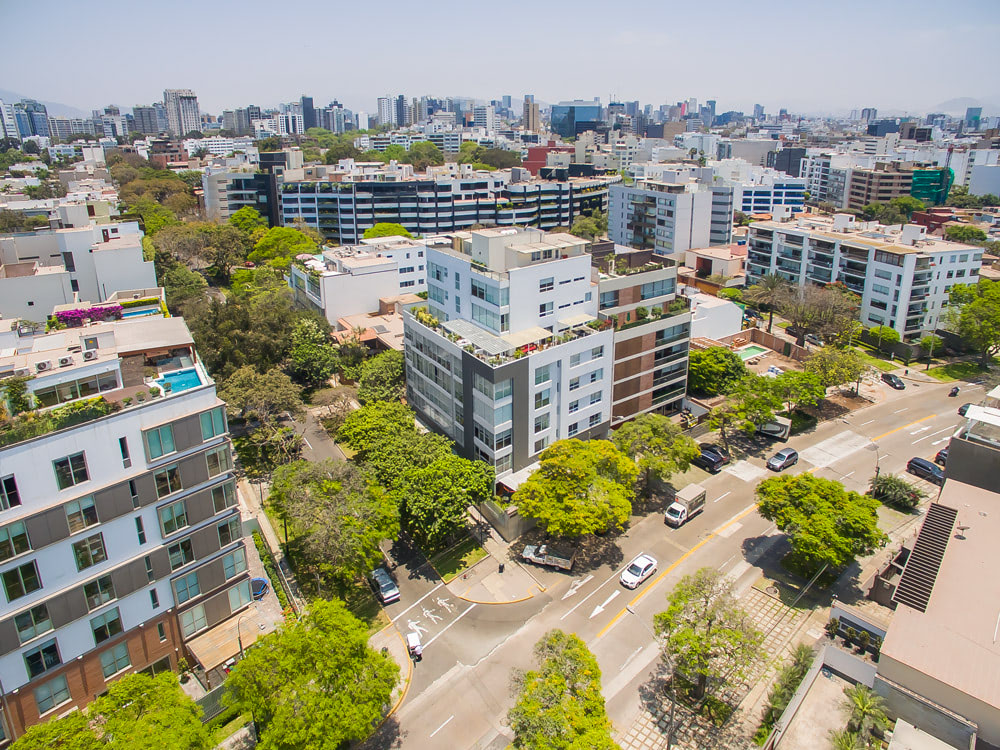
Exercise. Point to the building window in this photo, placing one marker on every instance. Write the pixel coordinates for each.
(503, 389)
(186, 587)
(159, 441)
(595, 397)
(9, 496)
(98, 592)
(595, 419)
(218, 461)
(106, 625)
(115, 659)
(123, 447)
(89, 552)
(573, 429)
(545, 285)
(71, 470)
(542, 375)
(81, 514)
(161, 632)
(134, 492)
(608, 299)
(223, 496)
(21, 580)
(596, 375)
(140, 530)
(154, 599)
(657, 288)
(40, 660)
(193, 620)
(13, 540)
(574, 359)
(574, 406)
(545, 309)
(213, 423)
(167, 481)
(542, 398)
(574, 383)
(234, 563)
(53, 693)
(32, 623)
(239, 596)
(597, 352)
(229, 531)
(542, 422)
(150, 576)
(540, 444)
(173, 518)
(180, 554)
(504, 463)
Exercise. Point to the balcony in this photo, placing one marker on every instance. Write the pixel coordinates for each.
(790, 254)
(820, 260)
(817, 273)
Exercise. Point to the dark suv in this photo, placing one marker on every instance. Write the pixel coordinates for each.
(893, 380)
(712, 457)
(925, 469)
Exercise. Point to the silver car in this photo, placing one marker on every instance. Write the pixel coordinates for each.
(384, 587)
(783, 459)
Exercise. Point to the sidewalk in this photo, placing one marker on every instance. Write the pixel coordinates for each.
(390, 640)
(483, 583)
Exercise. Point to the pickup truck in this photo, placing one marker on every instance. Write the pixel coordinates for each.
(542, 555)
(689, 501)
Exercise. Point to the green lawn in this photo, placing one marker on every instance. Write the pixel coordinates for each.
(879, 364)
(783, 324)
(459, 557)
(958, 371)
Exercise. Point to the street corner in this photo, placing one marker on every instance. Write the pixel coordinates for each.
(493, 581)
(390, 641)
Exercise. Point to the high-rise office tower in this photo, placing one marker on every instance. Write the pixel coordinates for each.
(308, 112)
(182, 111)
(529, 120)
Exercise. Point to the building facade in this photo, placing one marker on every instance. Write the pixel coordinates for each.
(182, 111)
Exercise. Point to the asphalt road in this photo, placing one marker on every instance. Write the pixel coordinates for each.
(462, 689)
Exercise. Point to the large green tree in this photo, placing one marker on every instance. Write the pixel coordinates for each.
(826, 524)
(835, 366)
(314, 683)
(657, 445)
(247, 220)
(386, 229)
(797, 389)
(382, 378)
(884, 335)
(975, 314)
(965, 233)
(559, 706)
(893, 490)
(313, 357)
(768, 293)
(138, 712)
(751, 402)
(279, 245)
(714, 370)
(579, 488)
(827, 311)
(705, 635)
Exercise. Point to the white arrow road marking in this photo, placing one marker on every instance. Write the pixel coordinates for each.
(919, 430)
(575, 586)
(600, 607)
(938, 432)
(942, 440)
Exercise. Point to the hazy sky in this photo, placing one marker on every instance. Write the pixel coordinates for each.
(893, 54)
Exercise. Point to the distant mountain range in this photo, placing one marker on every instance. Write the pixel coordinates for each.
(958, 106)
(55, 109)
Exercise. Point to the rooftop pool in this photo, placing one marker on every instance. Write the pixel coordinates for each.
(140, 313)
(179, 380)
(749, 352)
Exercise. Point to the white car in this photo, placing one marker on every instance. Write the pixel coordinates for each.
(638, 571)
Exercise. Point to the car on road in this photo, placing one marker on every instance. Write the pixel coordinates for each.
(893, 381)
(712, 457)
(963, 408)
(925, 469)
(638, 571)
(941, 457)
(813, 339)
(382, 584)
(783, 459)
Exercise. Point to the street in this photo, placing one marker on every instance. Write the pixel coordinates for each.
(461, 690)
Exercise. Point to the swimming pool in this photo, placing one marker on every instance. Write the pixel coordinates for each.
(180, 380)
(138, 313)
(749, 352)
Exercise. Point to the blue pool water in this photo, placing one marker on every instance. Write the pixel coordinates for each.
(180, 380)
(138, 313)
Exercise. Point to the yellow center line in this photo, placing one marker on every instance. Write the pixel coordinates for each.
(890, 432)
(674, 565)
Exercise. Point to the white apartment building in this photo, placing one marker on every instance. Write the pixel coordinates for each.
(120, 535)
(485, 117)
(217, 145)
(902, 275)
(183, 114)
(350, 280)
(759, 189)
(501, 358)
(99, 259)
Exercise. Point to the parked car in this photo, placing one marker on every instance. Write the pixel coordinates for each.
(783, 459)
(382, 584)
(893, 380)
(941, 457)
(925, 469)
(962, 409)
(813, 339)
(258, 588)
(638, 571)
(712, 457)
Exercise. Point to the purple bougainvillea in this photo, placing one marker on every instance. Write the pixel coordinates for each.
(76, 317)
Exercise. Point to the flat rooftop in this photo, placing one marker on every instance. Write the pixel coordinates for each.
(955, 640)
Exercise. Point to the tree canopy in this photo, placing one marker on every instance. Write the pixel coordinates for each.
(247, 219)
(382, 378)
(826, 311)
(965, 233)
(579, 488)
(751, 402)
(657, 445)
(313, 357)
(826, 524)
(314, 683)
(714, 370)
(893, 490)
(975, 314)
(279, 245)
(768, 293)
(559, 706)
(797, 389)
(835, 366)
(386, 229)
(706, 636)
(498, 158)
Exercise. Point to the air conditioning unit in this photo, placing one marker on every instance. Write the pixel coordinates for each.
(43, 366)
(65, 361)
(21, 372)
(90, 354)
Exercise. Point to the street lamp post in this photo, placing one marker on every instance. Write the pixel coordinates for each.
(239, 636)
(670, 664)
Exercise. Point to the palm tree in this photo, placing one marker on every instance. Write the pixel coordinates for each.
(768, 292)
(844, 740)
(867, 710)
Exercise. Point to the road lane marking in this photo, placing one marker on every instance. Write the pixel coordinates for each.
(726, 494)
(845, 476)
(600, 607)
(575, 586)
(893, 432)
(613, 576)
(868, 422)
(942, 440)
(920, 429)
(445, 630)
(638, 650)
(938, 432)
(417, 602)
(443, 725)
(670, 568)
(898, 411)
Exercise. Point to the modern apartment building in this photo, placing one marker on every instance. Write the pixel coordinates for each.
(120, 536)
(757, 189)
(671, 217)
(342, 211)
(902, 276)
(888, 180)
(183, 114)
(530, 121)
(227, 192)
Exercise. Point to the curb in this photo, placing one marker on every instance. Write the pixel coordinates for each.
(406, 684)
(509, 601)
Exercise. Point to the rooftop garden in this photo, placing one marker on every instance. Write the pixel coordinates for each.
(31, 424)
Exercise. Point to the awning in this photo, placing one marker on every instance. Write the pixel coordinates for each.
(576, 320)
(515, 480)
(526, 336)
(480, 338)
(222, 643)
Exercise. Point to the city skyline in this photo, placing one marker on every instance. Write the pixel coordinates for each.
(628, 62)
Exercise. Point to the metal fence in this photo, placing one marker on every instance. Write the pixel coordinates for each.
(211, 703)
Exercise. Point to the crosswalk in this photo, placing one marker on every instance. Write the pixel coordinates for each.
(834, 448)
